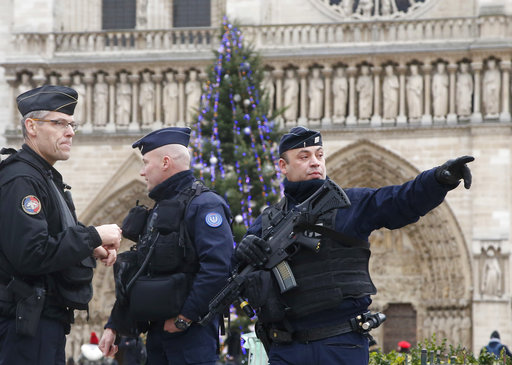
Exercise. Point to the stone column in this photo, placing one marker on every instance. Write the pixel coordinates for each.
(426, 119)
(134, 78)
(401, 119)
(157, 78)
(278, 74)
(327, 73)
(111, 124)
(376, 117)
(88, 81)
(505, 112)
(476, 117)
(180, 78)
(13, 110)
(303, 72)
(351, 118)
(39, 78)
(451, 118)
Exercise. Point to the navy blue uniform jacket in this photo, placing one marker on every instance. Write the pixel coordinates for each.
(371, 209)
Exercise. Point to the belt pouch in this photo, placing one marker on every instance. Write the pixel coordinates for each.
(156, 298)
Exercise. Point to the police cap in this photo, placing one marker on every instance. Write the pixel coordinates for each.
(299, 137)
(48, 97)
(162, 137)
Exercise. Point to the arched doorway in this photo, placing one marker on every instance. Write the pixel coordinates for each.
(425, 264)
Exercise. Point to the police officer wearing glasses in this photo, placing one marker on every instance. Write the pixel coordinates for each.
(317, 321)
(46, 255)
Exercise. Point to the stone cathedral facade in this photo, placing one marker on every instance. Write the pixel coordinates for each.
(396, 86)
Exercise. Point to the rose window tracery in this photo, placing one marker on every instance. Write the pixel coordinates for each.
(362, 9)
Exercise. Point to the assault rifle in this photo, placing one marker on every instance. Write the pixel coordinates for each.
(287, 233)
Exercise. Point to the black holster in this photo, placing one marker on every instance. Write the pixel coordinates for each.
(29, 305)
(262, 334)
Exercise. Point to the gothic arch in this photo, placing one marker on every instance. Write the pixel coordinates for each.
(426, 263)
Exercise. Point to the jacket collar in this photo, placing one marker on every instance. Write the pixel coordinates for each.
(30, 155)
(172, 186)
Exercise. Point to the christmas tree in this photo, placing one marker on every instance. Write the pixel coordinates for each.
(234, 136)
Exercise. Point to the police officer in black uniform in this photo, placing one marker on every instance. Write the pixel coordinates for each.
(319, 321)
(189, 228)
(46, 256)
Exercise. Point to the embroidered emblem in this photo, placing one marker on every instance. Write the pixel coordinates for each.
(213, 219)
(31, 205)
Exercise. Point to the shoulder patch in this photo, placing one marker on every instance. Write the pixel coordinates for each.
(213, 219)
(31, 205)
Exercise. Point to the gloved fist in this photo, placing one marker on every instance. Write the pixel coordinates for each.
(253, 250)
(452, 171)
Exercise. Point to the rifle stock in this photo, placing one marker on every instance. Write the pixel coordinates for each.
(285, 238)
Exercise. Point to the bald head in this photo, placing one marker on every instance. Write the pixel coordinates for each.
(178, 154)
(163, 162)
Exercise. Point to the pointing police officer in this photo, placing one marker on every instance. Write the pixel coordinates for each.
(46, 256)
(317, 321)
(187, 231)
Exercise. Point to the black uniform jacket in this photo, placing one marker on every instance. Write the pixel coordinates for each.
(33, 244)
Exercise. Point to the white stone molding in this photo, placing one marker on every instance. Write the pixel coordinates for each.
(476, 117)
(402, 117)
(111, 124)
(505, 92)
(134, 80)
(302, 72)
(376, 117)
(180, 77)
(426, 119)
(351, 119)
(327, 74)
(451, 118)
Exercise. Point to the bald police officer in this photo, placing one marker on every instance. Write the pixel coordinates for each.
(315, 323)
(46, 256)
(189, 226)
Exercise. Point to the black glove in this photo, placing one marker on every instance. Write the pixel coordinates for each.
(452, 171)
(252, 250)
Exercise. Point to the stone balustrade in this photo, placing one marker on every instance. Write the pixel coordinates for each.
(345, 34)
(126, 83)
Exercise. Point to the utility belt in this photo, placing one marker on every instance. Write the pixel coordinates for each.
(29, 301)
(362, 323)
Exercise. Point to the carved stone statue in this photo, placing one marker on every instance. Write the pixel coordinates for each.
(390, 88)
(339, 92)
(24, 83)
(440, 91)
(100, 100)
(491, 85)
(170, 100)
(464, 91)
(364, 87)
(193, 92)
(414, 93)
(365, 8)
(79, 114)
(491, 274)
(123, 100)
(291, 96)
(147, 100)
(269, 89)
(316, 95)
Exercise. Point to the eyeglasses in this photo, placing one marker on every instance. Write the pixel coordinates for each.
(61, 123)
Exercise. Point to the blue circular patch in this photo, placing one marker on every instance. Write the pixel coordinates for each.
(213, 219)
